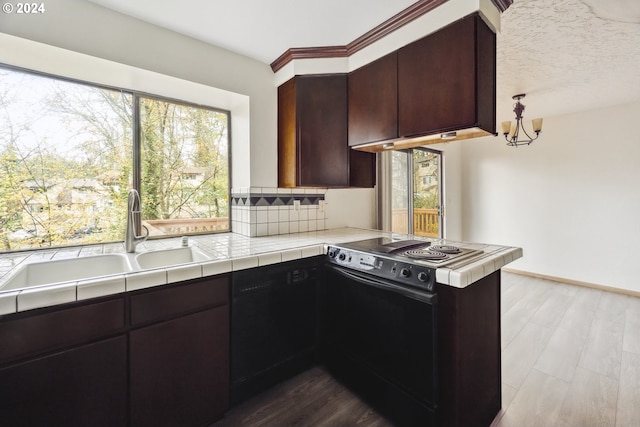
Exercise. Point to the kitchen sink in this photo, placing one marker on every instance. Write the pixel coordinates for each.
(65, 270)
(169, 257)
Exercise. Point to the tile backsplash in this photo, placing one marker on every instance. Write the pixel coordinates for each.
(263, 211)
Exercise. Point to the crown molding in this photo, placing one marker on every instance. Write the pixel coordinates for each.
(307, 53)
(411, 13)
(502, 5)
(414, 11)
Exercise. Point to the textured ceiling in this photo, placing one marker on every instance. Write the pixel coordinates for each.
(566, 58)
(567, 55)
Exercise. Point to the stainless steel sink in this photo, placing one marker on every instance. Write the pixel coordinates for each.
(169, 257)
(66, 270)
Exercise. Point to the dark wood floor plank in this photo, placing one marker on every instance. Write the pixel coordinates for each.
(313, 398)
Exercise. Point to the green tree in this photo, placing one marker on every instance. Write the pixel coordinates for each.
(179, 142)
(66, 161)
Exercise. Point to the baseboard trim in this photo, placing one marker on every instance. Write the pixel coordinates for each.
(573, 282)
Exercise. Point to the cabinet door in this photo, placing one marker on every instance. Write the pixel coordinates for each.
(86, 386)
(312, 132)
(312, 136)
(179, 370)
(362, 169)
(322, 130)
(373, 101)
(437, 81)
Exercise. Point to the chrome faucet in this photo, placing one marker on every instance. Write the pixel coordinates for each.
(134, 223)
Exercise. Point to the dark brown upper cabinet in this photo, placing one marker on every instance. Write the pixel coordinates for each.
(447, 80)
(373, 101)
(444, 82)
(313, 148)
(312, 131)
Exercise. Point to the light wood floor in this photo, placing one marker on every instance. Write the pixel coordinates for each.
(570, 355)
(570, 358)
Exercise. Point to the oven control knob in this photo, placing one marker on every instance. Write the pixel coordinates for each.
(423, 276)
(342, 257)
(405, 272)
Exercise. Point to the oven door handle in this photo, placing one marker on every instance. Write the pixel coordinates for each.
(426, 297)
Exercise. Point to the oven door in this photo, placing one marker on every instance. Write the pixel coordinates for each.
(381, 339)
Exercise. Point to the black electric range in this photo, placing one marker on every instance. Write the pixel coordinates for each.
(408, 262)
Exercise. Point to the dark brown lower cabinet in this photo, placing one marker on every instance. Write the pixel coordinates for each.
(179, 370)
(85, 386)
(469, 362)
(157, 357)
(179, 353)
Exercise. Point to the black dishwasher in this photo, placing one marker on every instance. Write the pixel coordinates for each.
(273, 325)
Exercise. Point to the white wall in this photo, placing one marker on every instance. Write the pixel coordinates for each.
(571, 200)
(351, 207)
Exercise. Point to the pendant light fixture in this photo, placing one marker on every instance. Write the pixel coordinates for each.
(512, 131)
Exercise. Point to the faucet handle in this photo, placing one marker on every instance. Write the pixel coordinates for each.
(144, 236)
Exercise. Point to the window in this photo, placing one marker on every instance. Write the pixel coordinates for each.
(69, 155)
(184, 172)
(416, 192)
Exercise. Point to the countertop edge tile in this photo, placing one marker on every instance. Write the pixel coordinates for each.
(489, 267)
(9, 302)
(212, 268)
(145, 279)
(183, 272)
(101, 286)
(455, 279)
(245, 262)
(291, 254)
(44, 296)
(269, 258)
(309, 251)
(442, 275)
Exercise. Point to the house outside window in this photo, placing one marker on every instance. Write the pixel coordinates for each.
(69, 155)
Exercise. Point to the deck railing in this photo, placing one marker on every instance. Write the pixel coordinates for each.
(425, 222)
(161, 227)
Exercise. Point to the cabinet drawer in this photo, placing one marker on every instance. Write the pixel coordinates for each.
(33, 334)
(156, 305)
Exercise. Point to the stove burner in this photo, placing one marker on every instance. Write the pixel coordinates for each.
(428, 254)
(445, 249)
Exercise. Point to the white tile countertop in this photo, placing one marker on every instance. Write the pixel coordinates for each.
(228, 252)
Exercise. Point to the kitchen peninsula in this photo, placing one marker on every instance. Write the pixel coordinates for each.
(229, 252)
(170, 302)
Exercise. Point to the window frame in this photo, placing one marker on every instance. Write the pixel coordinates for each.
(385, 190)
(136, 95)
